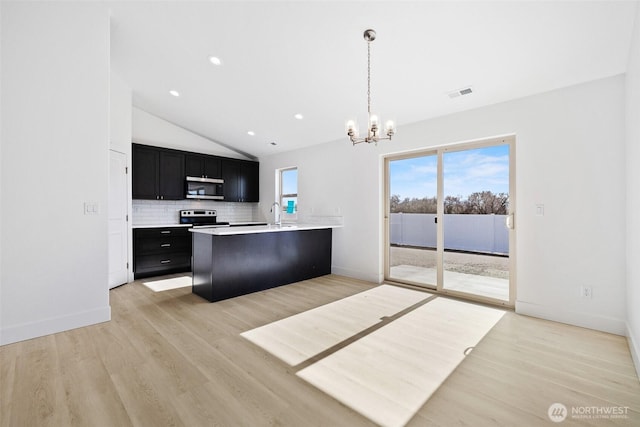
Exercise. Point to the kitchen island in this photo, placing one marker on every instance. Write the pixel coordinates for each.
(233, 261)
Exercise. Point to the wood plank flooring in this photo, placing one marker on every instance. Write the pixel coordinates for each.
(173, 359)
(390, 373)
(298, 338)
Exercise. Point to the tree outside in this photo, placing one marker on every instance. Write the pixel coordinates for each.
(482, 202)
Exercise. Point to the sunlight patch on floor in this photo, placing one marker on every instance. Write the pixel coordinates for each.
(168, 284)
(390, 372)
(302, 336)
(388, 375)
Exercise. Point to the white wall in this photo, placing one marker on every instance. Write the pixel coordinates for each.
(633, 193)
(55, 142)
(120, 114)
(569, 156)
(152, 130)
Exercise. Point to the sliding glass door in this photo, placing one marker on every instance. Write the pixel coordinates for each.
(476, 209)
(413, 205)
(450, 220)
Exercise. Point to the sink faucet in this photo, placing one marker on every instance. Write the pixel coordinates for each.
(275, 208)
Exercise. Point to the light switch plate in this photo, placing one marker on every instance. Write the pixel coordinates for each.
(539, 209)
(91, 208)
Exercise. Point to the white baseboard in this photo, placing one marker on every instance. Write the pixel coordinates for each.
(585, 320)
(53, 325)
(634, 342)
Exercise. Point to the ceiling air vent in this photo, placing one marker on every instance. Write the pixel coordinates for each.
(464, 91)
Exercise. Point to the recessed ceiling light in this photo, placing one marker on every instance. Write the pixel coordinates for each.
(251, 133)
(215, 60)
(174, 92)
(299, 116)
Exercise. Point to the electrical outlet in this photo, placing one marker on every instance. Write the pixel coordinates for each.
(586, 292)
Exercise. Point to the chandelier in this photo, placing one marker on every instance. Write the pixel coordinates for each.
(373, 129)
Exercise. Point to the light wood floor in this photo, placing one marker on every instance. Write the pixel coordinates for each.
(171, 359)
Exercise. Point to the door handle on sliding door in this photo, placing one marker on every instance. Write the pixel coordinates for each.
(508, 221)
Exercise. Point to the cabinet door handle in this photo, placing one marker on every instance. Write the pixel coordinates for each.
(165, 261)
(166, 232)
(165, 245)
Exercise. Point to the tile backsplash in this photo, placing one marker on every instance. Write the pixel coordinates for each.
(162, 212)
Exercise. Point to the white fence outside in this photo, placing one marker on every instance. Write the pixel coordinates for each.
(468, 232)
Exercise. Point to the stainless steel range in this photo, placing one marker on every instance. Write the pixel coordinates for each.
(201, 218)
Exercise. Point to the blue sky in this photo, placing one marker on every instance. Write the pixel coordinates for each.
(290, 181)
(465, 172)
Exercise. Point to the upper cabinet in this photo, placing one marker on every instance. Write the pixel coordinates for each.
(202, 166)
(157, 173)
(250, 181)
(171, 182)
(231, 176)
(145, 166)
(241, 180)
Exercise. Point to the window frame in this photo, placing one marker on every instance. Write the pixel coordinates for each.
(280, 196)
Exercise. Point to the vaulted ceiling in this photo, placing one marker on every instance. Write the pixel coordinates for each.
(281, 58)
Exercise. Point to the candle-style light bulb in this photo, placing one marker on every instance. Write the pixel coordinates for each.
(352, 128)
(374, 124)
(390, 128)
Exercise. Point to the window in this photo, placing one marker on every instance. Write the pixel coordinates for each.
(287, 192)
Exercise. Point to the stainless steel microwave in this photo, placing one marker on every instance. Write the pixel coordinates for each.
(204, 188)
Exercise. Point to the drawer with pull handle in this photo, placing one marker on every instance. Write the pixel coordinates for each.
(156, 261)
(161, 250)
(150, 245)
(162, 231)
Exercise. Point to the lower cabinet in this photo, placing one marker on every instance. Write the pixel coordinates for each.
(226, 266)
(158, 251)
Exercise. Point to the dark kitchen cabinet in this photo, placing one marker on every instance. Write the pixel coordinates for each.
(241, 180)
(157, 173)
(146, 162)
(221, 270)
(171, 171)
(231, 176)
(158, 251)
(250, 181)
(202, 166)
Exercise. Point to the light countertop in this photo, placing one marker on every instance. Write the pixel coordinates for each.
(228, 231)
(161, 225)
(233, 224)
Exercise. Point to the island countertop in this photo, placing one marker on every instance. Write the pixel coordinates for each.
(228, 231)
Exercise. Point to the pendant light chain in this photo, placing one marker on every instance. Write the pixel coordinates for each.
(369, 78)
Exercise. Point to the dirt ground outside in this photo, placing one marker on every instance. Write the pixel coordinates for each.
(461, 262)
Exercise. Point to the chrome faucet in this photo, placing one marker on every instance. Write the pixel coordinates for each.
(275, 208)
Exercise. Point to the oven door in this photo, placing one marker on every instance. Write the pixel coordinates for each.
(204, 188)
